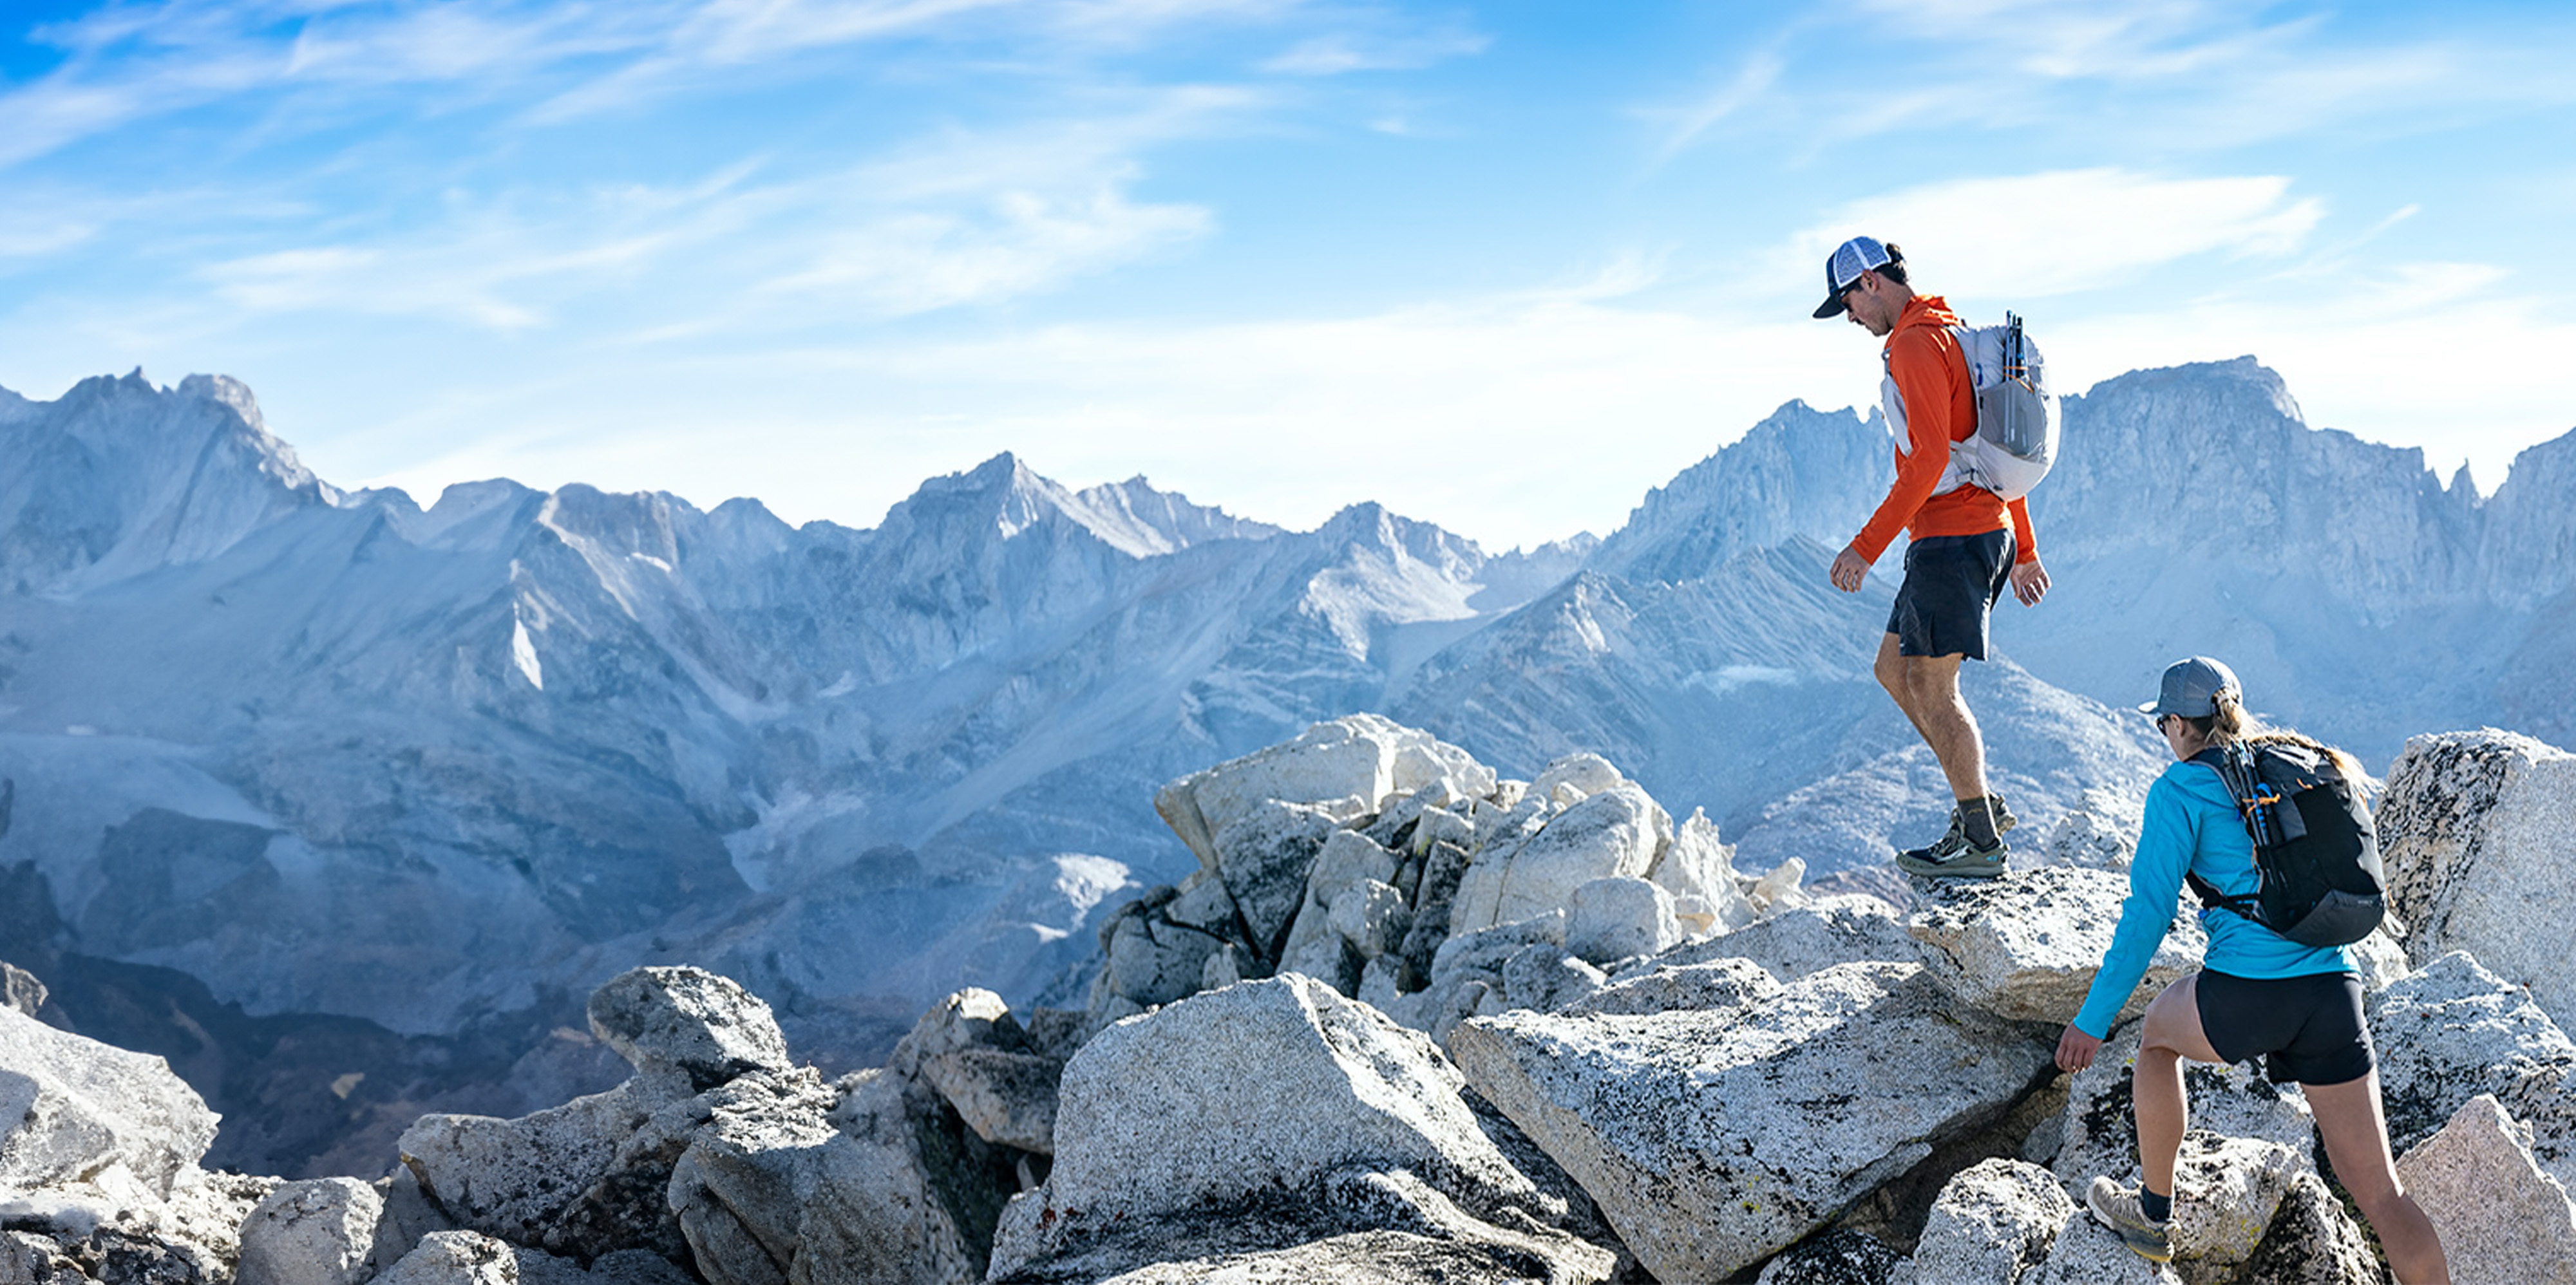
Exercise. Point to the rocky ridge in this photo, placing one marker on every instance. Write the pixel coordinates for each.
(1672, 1072)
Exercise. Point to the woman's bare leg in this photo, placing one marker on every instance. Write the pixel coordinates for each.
(2173, 1033)
(2356, 1138)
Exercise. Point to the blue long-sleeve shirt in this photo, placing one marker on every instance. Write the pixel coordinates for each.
(2192, 825)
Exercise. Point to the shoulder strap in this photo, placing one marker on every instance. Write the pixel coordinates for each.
(2235, 770)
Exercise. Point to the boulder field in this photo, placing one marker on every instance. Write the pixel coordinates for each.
(1409, 1022)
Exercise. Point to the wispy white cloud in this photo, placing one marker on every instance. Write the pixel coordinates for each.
(1339, 52)
(2035, 235)
(2178, 76)
(1023, 242)
(967, 218)
(1752, 81)
(129, 63)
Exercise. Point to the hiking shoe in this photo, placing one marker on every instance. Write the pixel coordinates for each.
(2004, 819)
(2116, 1207)
(1953, 856)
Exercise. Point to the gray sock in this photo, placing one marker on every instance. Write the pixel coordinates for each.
(1978, 821)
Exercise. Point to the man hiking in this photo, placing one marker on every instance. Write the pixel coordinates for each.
(1966, 544)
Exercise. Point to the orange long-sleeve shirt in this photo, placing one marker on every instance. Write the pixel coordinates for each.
(1940, 408)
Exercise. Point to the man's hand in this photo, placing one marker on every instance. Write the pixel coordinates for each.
(2030, 584)
(1848, 571)
(2075, 1049)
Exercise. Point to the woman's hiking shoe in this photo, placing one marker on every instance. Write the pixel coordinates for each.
(1954, 856)
(2116, 1207)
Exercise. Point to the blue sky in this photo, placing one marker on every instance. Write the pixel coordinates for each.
(1501, 266)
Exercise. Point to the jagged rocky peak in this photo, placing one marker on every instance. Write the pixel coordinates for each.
(2529, 554)
(1800, 472)
(641, 524)
(1160, 521)
(2239, 388)
(119, 476)
(1003, 498)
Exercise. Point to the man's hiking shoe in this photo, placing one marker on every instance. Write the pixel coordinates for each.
(1954, 856)
(2004, 819)
(2116, 1207)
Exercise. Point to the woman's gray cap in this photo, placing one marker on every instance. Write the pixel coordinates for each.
(2191, 688)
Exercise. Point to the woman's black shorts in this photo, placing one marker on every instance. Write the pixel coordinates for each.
(2307, 1029)
(1951, 583)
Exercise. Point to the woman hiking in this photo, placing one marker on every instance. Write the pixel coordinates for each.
(2299, 1007)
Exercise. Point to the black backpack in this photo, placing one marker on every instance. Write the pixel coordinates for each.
(2313, 844)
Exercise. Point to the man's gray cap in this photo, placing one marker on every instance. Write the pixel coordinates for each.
(2191, 688)
(1844, 266)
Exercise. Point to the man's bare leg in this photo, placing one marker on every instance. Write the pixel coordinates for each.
(1942, 716)
(1893, 675)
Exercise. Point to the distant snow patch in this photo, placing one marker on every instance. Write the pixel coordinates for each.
(1730, 678)
(1083, 880)
(523, 652)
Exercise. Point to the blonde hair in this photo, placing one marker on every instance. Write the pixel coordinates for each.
(2229, 723)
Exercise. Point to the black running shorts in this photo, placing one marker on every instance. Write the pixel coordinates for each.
(2307, 1029)
(1951, 583)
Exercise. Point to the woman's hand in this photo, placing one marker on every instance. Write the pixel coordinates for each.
(2075, 1049)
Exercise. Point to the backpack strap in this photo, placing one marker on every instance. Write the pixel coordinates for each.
(2236, 771)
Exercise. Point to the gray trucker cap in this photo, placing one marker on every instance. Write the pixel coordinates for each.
(2191, 688)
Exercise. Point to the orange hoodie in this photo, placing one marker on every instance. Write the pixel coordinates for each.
(1940, 408)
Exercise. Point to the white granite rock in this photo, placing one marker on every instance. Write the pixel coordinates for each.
(73, 1110)
(2312, 1241)
(1372, 917)
(1364, 1227)
(971, 1051)
(1780, 889)
(2226, 1191)
(1619, 917)
(1263, 856)
(1838, 1257)
(2089, 1254)
(969, 1018)
(1992, 1224)
(687, 1022)
(1349, 862)
(1544, 977)
(2500, 1218)
(1698, 865)
(2100, 833)
(455, 1258)
(1846, 928)
(317, 1232)
(1718, 985)
(622, 1267)
(2450, 1031)
(1347, 766)
(2474, 831)
(1619, 831)
(2379, 959)
(520, 1179)
(893, 1204)
(1246, 1099)
(1713, 1140)
(2027, 944)
(1149, 959)
(1588, 773)
(772, 1192)
(20, 990)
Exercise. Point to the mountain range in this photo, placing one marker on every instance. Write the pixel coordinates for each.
(324, 770)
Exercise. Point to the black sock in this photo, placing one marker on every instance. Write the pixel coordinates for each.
(2156, 1208)
(1978, 821)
